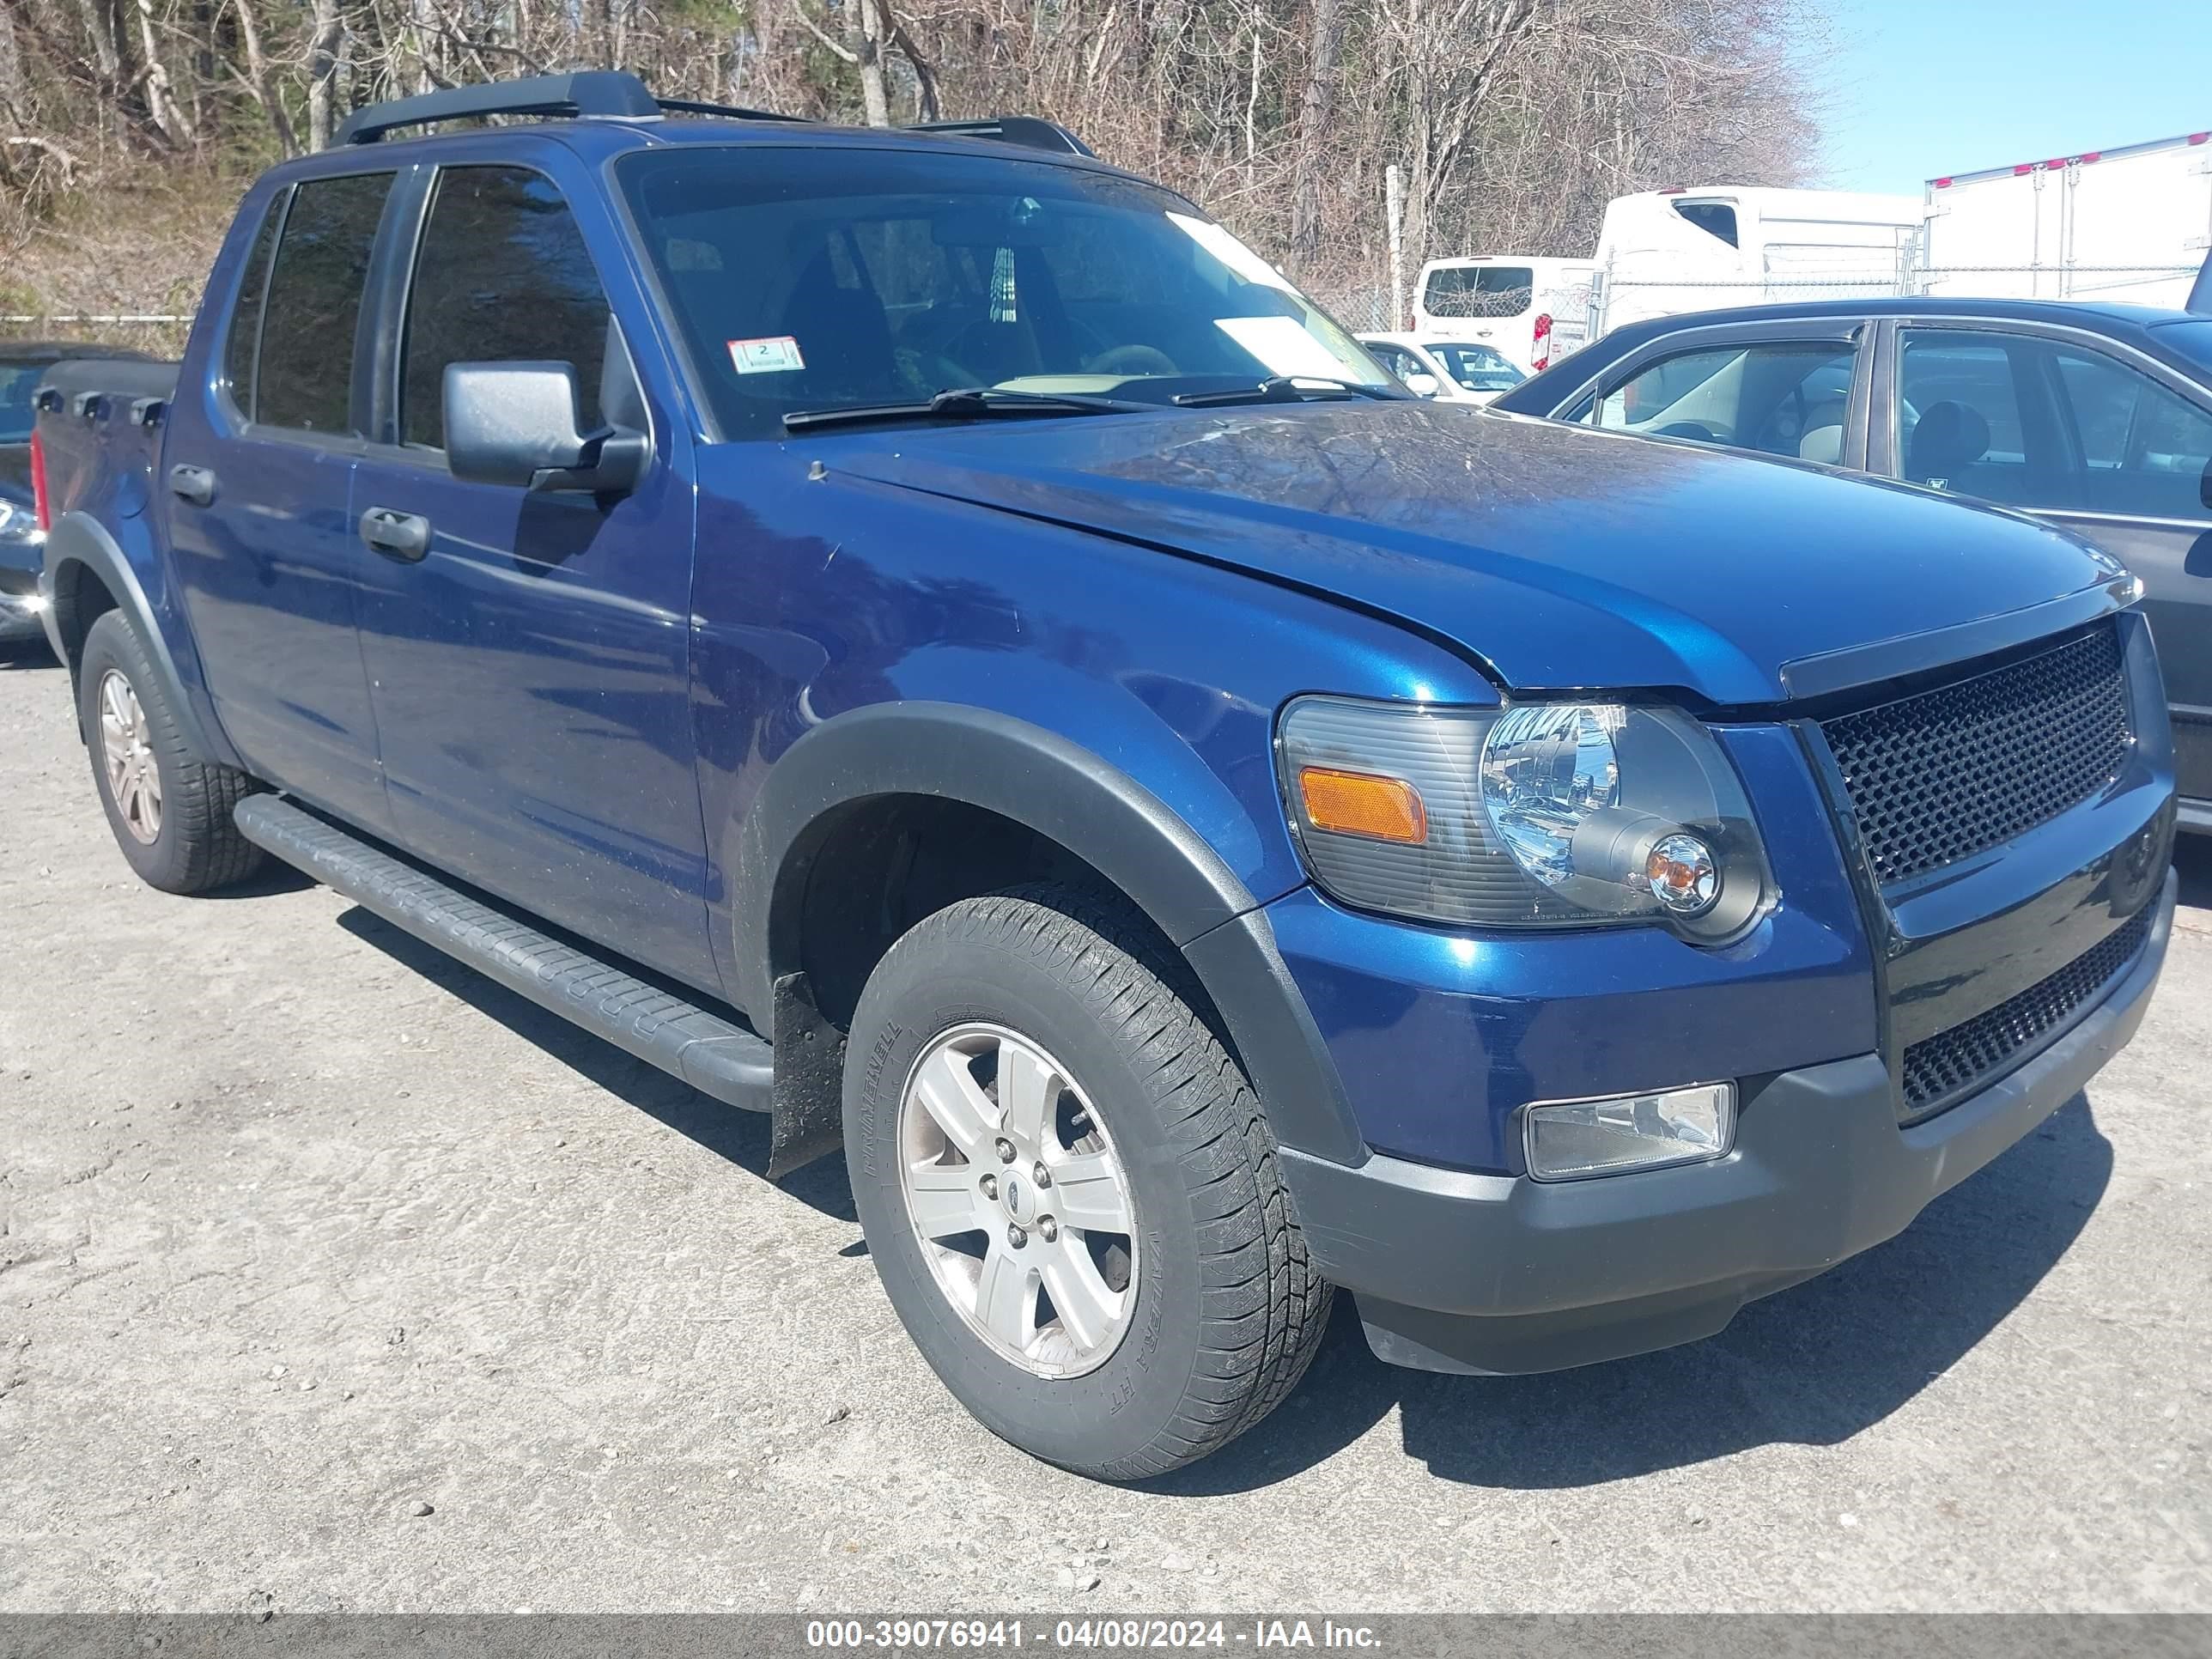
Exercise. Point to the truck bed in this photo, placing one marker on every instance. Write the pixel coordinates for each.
(98, 422)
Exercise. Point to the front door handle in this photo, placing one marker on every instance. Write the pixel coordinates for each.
(401, 535)
(195, 484)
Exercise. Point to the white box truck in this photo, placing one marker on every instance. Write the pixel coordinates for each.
(2130, 224)
(1662, 252)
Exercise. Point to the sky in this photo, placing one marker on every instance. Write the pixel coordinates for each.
(1924, 87)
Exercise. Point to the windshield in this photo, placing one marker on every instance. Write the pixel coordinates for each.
(821, 279)
(1476, 368)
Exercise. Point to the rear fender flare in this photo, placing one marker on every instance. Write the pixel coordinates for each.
(79, 540)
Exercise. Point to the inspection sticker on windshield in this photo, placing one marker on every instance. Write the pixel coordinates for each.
(770, 357)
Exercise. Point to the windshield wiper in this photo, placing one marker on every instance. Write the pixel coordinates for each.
(965, 403)
(1284, 389)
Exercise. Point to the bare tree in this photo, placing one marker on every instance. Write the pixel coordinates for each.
(1513, 120)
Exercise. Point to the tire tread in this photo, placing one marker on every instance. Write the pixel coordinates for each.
(1264, 1305)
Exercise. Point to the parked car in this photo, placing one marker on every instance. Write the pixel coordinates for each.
(1445, 371)
(924, 634)
(2095, 417)
(1532, 308)
(23, 365)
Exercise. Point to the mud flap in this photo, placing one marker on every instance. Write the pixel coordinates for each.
(809, 1120)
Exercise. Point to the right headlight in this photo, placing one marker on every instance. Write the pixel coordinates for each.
(19, 524)
(1538, 815)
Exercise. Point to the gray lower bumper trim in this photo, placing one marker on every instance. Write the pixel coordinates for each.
(1495, 1273)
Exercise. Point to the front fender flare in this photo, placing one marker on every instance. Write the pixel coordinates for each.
(1070, 795)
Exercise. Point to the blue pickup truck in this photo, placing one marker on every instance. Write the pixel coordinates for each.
(923, 634)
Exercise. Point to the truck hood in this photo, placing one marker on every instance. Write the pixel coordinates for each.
(1556, 556)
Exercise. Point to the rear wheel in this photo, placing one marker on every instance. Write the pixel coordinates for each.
(169, 809)
(1068, 1188)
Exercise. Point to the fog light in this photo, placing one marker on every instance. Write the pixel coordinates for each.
(1631, 1132)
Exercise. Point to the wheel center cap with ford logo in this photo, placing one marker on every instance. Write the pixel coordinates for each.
(1019, 1200)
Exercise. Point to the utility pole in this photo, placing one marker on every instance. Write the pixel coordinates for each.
(1394, 200)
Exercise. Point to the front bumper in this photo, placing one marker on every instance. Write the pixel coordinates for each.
(1497, 1273)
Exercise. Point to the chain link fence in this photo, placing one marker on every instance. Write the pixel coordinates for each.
(1615, 302)
(158, 334)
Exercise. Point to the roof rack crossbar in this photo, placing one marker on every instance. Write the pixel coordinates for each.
(1029, 131)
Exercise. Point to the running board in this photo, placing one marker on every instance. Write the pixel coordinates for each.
(712, 1054)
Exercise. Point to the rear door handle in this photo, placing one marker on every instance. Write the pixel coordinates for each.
(195, 484)
(401, 535)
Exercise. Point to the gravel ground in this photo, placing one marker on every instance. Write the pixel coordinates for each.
(333, 1277)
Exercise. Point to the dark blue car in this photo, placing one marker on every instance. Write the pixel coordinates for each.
(2095, 416)
(924, 634)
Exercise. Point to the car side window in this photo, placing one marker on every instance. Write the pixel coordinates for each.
(303, 378)
(1714, 218)
(241, 346)
(2142, 447)
(503, 276)
(1780, 397)
(1399, 360)
(1959, 424)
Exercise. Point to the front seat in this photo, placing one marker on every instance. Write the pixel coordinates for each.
(844, 336)
(1824, 435)
(1950, 437)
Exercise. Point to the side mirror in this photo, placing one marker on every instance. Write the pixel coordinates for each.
(515, 424)
(1422, 386)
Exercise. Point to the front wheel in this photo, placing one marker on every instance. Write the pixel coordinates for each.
(1069, 1190)
(169, 808)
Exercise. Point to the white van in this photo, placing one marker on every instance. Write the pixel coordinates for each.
(1532, 308)
(1666, 252)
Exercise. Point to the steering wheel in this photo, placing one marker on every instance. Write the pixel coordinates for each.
(1697, 429)
(1131, 360)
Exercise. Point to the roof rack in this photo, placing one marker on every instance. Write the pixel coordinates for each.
(609, 93)
(615, 94)
(1029, 131)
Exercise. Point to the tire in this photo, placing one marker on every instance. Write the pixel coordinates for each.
(1220, 1309)
(194, 846)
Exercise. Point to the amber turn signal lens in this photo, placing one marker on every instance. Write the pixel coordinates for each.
(1358, 803)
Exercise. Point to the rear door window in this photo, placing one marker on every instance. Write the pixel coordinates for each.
(1781, 397)
(1480, 291)
(2142, 447)
(1959, 426)
(303, 379)
(503, 276)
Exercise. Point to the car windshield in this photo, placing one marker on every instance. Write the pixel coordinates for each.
(1476, 368)
(19, 383)
(822, 279)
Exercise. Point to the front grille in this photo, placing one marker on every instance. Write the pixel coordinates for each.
(1942, 1066)
(1939, 776)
